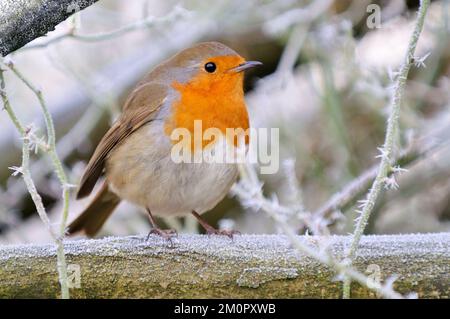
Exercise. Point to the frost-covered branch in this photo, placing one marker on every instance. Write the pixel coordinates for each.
(27, 136)
(200, 266)
(51, 146)
(387, 151)
(24, 21)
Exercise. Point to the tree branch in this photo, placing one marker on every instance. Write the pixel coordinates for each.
(24, 21)
(250, 266)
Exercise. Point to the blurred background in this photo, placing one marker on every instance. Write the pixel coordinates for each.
(326, 84)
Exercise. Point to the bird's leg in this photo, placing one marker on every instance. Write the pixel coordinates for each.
(211, 230)
(165, 233)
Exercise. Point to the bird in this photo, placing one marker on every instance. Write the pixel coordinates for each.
(200, 83)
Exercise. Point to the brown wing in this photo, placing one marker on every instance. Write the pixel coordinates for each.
(139, 109)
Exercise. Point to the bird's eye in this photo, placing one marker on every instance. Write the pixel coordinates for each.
(210, 67)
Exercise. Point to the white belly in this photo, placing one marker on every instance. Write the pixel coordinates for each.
(145, 174)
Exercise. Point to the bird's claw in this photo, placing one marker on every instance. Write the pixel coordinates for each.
(229, 233)
(167, 234)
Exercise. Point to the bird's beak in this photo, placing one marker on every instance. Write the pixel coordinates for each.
(244, 66)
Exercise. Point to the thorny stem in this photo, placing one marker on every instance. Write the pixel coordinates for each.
(24, 170)
(249, 187)
(51, 141)
(61, 258)
(388, 147)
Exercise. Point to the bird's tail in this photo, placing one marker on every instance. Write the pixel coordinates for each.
(95, 215)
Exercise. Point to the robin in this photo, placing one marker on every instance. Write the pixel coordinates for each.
(202, 83)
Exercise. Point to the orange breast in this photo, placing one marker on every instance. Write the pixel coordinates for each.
(218, 103)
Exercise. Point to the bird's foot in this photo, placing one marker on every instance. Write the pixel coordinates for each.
(229, 233)
(211, 230)
(167, 234)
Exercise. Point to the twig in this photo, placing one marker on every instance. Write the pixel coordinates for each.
(25, 171)
(387, 151)
(61, 259)
(51, 140)
(26, 174)
(177, 13)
